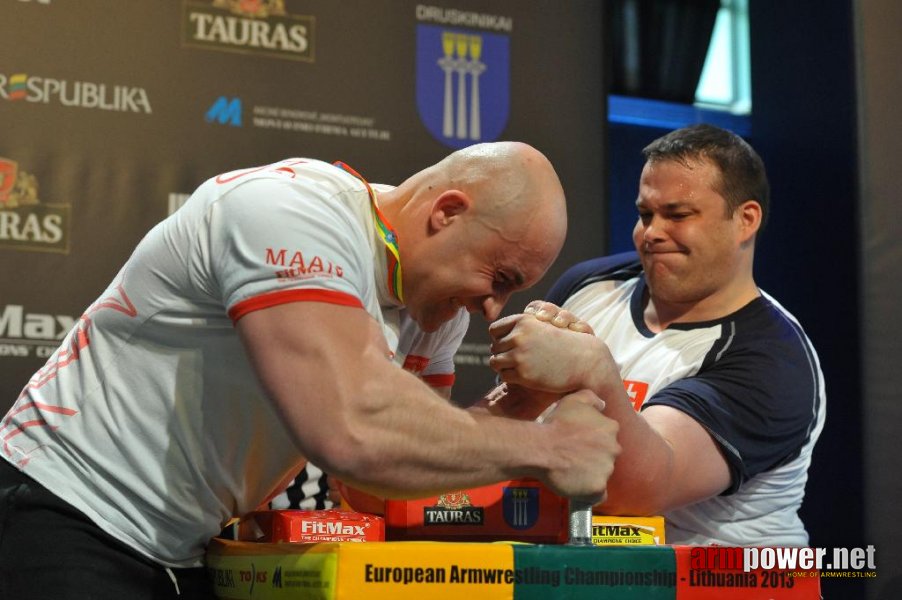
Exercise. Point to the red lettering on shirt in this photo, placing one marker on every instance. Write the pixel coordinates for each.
(299, 267)
(415, 364)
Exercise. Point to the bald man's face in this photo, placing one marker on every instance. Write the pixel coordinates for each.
(476, 265)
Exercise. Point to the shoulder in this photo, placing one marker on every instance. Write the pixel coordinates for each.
(621, 266)
(771, 329)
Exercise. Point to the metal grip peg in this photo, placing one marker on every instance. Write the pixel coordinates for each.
(580, 524)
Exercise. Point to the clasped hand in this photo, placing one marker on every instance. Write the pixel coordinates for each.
(543, 349)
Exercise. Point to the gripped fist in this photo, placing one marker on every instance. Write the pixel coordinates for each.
(586, 442)
(557, 316)
(541, 356)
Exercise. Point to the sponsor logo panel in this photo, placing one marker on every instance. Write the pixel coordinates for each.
(453, 509)
(25, 222)
(462, 75)
(24, 334)
(232, 111)
(520, 506)
(261, 27)
(38, 89)
(225, 111)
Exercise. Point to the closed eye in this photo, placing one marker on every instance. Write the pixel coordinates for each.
(505, 281)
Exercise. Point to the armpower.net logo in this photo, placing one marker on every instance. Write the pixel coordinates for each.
(776, 567)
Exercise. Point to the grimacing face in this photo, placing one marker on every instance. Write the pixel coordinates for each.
(688, 244)
(470, 266)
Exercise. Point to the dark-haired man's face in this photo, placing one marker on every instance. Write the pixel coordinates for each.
(688, 242)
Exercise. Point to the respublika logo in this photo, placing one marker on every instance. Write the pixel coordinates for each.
(248, 26)
(520, 506)
(83, 94)
(463, 77)
(26, 223)
(225, 111)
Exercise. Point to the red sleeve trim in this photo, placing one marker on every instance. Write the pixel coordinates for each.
(284, 297)
(439, 380)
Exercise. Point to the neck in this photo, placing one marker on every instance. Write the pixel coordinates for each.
(660, 313)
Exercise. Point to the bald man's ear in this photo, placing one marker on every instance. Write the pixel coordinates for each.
(447, 207)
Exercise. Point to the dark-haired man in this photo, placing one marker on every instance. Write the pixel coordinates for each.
(717, 390)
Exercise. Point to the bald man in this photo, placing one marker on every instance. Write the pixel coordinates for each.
(256, 327)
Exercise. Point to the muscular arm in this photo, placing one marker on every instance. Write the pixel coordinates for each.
(350, 411)
(668, 459)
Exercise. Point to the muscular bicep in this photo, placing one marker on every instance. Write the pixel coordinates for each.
(699, 468)
(313, 359)
(443, 391)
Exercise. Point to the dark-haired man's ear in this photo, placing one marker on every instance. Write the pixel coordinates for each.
(750, 215)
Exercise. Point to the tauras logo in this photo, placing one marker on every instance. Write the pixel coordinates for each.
(25, 223)
(82, 94)
(453, 509)
(248, 26)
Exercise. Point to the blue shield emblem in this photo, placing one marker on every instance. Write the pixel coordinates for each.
(463, 84)
(520, 506)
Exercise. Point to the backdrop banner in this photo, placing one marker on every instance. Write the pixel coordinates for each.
(112, 113)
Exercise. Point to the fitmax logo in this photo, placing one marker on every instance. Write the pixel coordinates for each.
(225, 111)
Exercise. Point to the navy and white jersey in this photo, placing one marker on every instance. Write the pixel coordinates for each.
(752, 379)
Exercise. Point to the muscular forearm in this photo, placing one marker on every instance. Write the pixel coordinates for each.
(356, 415)
(668, 459)
(402, 440)
(643, 473)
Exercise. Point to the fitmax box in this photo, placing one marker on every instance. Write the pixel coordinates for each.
(310, 526)
(616, 530)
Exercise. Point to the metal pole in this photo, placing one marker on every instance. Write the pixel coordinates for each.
(580, 524)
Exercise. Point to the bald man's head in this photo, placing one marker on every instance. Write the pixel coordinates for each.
(480, 224)
(513, 186)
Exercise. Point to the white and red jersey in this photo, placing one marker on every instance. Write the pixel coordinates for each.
(149, 418)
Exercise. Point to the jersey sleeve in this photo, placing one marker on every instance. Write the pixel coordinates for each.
(586, 272)
(439, 373)
(273, 242)
(758, 400)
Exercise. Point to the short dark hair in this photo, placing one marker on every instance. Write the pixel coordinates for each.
(742, 173)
